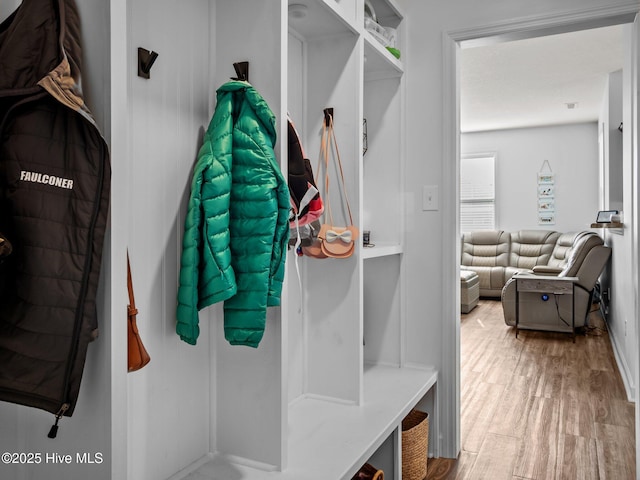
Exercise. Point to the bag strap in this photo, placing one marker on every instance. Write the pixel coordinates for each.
(131, 308)
(327, 142)
(324, 158)
(344, 186)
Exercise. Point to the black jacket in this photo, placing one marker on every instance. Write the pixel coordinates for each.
(54, 195)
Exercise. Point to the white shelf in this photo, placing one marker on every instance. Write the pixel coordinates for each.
(332, 440)
(322, 19)
(379, 63)
(388, 12)
(381, 250)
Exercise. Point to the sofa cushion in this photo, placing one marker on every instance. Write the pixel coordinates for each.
(562, 249)
(531, 247)
(491, 279)
(485, 248)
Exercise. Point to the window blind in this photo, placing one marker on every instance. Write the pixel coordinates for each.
(477, 193)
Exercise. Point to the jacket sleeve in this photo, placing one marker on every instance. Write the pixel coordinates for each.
(206, 274)
(187, 309)
(280, 241)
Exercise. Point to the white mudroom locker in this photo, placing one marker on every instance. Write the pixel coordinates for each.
(328, 386)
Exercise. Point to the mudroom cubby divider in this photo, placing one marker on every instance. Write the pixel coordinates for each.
(328, 386)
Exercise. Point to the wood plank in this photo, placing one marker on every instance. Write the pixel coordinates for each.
(511, 420)
(475, 356)
(575, 379)
(544, 371)
(477, 413)
(615, 451)
(606, 383)
(501, 367)
(449, 468)
(577, 458)
(577, 416)
(465, 463)
(496, 457)
(614, 411)
(538, 451)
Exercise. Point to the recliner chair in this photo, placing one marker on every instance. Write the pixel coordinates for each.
(585, 260)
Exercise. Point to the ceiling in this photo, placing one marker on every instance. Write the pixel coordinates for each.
(529, 82)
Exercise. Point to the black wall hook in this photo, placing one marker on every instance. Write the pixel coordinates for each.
(242, 71)
(328, 116)
(146, 59)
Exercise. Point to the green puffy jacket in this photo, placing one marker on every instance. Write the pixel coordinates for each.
(236, 228)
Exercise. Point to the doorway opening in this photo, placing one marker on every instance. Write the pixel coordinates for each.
(453, 43)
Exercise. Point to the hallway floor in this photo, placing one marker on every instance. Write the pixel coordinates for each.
(539, 406)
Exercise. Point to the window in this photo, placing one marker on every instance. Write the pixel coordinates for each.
(477, 192)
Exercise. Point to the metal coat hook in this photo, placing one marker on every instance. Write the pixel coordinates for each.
(146, 59)
(365, 140)
(242, 71)
(328, 116)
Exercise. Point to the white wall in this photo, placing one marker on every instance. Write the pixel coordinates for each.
(169, 398)
(618, 194)
(572, 152)
(430, 252)
(612, 186)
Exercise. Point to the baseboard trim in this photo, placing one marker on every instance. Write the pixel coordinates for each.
(623, 367)
(183, 473)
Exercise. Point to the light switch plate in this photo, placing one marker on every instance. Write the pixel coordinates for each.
(430, 200)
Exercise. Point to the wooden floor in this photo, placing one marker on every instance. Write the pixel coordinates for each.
(539, 406)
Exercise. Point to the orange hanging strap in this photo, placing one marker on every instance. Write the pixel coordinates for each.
(344, 186)
(132, 310)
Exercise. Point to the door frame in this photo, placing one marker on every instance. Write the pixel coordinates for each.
(482, 35)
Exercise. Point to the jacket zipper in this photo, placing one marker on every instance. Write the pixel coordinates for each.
(83, 292)
(54, 428)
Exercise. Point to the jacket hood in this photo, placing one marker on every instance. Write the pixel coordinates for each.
(257, 103)
(40, 48)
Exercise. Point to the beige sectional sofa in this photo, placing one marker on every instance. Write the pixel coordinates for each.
(496, 256)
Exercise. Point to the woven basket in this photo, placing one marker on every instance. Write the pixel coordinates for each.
(415, 444)
(369, 472)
